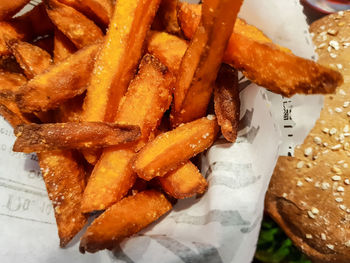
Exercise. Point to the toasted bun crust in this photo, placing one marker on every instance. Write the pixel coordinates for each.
(309, 194)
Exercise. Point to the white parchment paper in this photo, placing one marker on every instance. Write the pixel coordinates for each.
(222, 225)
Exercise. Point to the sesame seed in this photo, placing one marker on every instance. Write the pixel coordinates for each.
(336, 147)
(326, 130)
(323, 236)
(339, 66)
(341, 13)
(332, 55)
(342, 207)
(340, 162)
(345, 165)
(325, 144)
(308, 151)
(317, 185)
(334, 44)
(314, 210)
(332, 32)
(336, 178)
(346, 104)
(308, 236)
(347, 181)
(340, 189)
(284, 195)
(346, 128)
(342, 92)
(339, 199)
(300, 164)
(317, 140)
(325, 186)
(310, 214)
(330, 246)
(308, 179)
(337, 109)
(299, 183)
(346, 134)
(347, 243)
(333, 131)
(336, 170)
(309, 165)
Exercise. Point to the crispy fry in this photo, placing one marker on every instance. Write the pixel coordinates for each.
(166, 17)
(72, 135)
(26, 27)
(169, 49)
(118, 58)
(148, 97)
(110, 181)
(32, 59)
(65, 182)
(202, 60)
(63, 47)
(78, 28)
(100, 11)
(8, 8)
(184, 182)
(59, 82)
(45, 43)
(249, 49)
(12, 117)
(226, 102)
(172, 149)
(11, 81)
(124, 219)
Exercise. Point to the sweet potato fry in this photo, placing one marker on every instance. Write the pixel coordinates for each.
(226, 102)
(184, 182)
(110, 181)
(72, 135)
(32, 59)
(65, 182)
(100, 11)
(8, 8)
(63, 47)
(77, 27)
(172, 149)
(26, 27)
(124, 219)
(169, 49)
(148, 97)
(59, 82)
(249, 49)
(118, 58)
(11, 81)
(167, 17)
(202, 60)
(12, 117)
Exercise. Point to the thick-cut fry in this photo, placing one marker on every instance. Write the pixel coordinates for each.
(63, 47)
(65, 182)
(72, 135)
(184, 182)
(59, 82)
(118, 58)
(11, 81)
(26, 27)
(169, 49)
(8, 8)
(172, 149)
(124, 219)
(110, 181)
(249, 49)
(100, 11)
(32, 59)
(148, 97)
(78, 28)
(202, 59)
(226, 102)
(11, 114)
(166, 18)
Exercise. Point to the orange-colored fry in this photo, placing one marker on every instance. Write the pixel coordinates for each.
(148, 97)
(65, 182)
(249, 49)
(59, 82)
(8, 8)
(77, 27)
(172, 149)
(63, 47)
(118, 59)
(72, 135)
(167, 17)
(226, 102)
(100, 11)
(10, 112)
(25, 27)
(110, 181)
(11, 81)
(169, 49)
(202, 60)
(32, 59)
(184, 182)
(124, 219)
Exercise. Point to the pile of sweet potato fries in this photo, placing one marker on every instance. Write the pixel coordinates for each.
(114, 100)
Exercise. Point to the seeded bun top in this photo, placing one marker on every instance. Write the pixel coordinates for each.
(309, 194)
